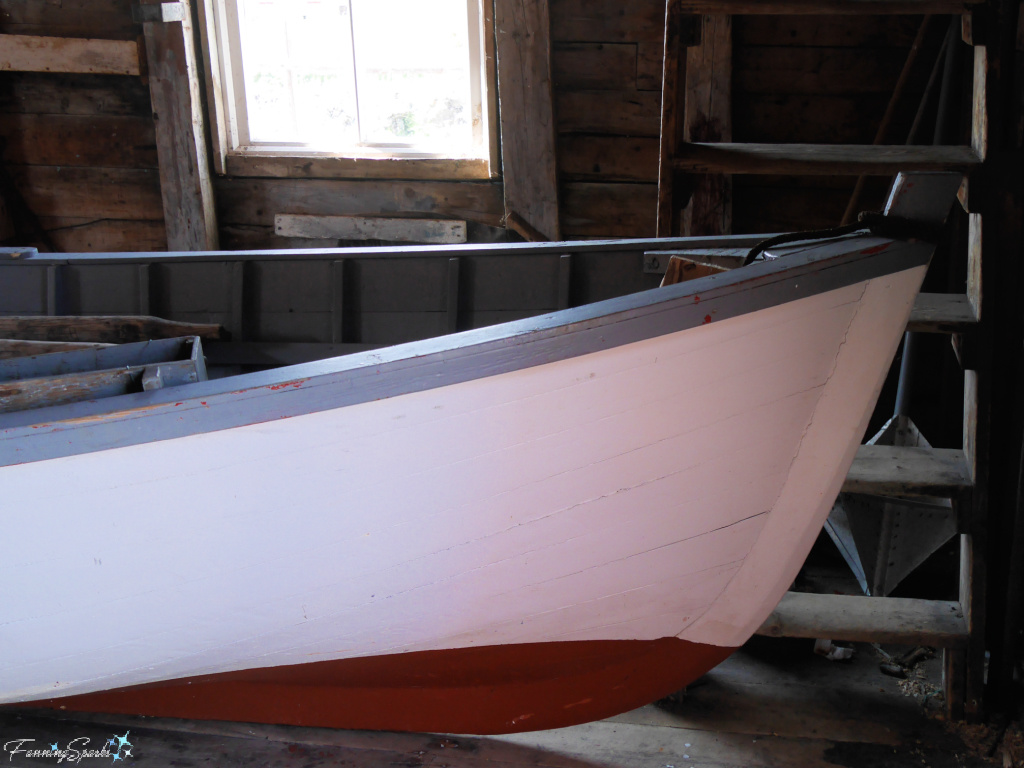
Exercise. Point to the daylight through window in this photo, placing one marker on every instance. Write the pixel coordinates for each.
(354, 77)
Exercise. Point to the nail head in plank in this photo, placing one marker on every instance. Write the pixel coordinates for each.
(899, 471)
(904, 621)
(821, 159)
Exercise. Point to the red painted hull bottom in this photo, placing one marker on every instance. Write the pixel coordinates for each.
(494, 689)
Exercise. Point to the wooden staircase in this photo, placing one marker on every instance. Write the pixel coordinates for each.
(955, 626)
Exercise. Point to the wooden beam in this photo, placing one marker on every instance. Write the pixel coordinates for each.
(396, 230)
(528, 154)
(180, 133)
(822, 159)
(708, 118)
(30, 53)
(823, 7)
(106, 329)
(903, 621)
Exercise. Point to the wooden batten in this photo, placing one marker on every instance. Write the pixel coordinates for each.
(32, 53)
(528, 152)
(180, 134)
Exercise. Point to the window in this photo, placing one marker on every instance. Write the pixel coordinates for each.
(352, 78)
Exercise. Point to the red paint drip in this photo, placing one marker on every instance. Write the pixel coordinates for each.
(696, 299)
(875, 249)
(707, 319)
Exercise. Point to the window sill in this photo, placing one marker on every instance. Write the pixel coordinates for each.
(319, 166)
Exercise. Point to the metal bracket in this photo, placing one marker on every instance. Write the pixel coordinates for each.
(159, 12)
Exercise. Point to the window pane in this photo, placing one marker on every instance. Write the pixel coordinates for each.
(299, 79)
(412, 65)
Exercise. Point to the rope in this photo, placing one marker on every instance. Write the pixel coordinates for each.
(893, 227)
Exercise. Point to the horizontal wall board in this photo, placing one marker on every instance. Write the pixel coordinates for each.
(608, 158)
(621, 113)
(118, 193)
(607, 21)
(81, 235)
(609, 210)
(65, 94)
(649, 58)
(597, 66)
(762, 69)
(257, 201)
(249, 237)
(833, 31)
(73, 18)
(74, 140)
(36, 53)
(822, 118)
(400, 230)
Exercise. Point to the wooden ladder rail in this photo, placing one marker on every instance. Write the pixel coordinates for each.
(955, 626)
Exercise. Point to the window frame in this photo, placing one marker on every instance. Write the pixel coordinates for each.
(232, 157)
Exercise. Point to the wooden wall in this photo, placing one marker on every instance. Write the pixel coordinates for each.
(80, 149)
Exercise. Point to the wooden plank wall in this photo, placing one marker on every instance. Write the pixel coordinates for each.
(821, 80)
(81, 148)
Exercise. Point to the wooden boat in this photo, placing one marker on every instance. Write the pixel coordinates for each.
(517, 527)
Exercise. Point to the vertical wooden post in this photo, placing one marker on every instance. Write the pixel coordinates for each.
(681, 31)
(528, 159)
(180, 126)
(708, 118)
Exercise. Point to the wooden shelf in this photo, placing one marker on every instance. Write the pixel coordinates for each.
(904, 621)
(892, 471)
(834, 7)
(820, 159)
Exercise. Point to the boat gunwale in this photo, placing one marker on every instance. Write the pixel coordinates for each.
(230, 402)
(388, 251)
